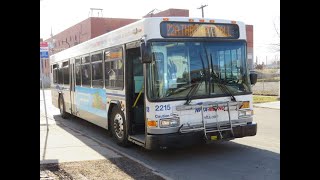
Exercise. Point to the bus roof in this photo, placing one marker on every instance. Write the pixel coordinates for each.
(147, 27)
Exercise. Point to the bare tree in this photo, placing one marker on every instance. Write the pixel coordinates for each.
(276, 46)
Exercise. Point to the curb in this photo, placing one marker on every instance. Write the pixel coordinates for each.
(266, 107)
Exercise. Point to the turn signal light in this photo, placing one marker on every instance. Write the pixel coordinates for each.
(152, 123)
(245, 104)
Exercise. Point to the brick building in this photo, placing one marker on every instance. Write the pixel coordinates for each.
(83, 31)
(249, 32)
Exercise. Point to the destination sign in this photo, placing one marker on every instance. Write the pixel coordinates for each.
(194, 29)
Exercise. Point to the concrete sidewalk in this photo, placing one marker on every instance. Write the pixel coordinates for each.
(61, 144)
(66, 153)
(272, 105)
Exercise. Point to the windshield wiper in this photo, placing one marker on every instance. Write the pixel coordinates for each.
(225, 89)
(221, 85)
(191, 92)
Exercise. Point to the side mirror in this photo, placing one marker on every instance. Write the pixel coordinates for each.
(253, 77)
(146, 55)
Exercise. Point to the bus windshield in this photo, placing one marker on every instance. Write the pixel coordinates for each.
(205, 68)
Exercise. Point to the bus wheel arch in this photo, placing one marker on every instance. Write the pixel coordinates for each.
(111, 106)
(109, 129)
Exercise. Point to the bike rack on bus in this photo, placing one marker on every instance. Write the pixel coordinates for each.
(204, 126)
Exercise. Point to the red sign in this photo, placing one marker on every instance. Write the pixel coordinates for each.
(43, 44)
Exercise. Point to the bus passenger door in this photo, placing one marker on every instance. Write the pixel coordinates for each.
(134, 91)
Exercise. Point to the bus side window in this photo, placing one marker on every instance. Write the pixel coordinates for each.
(60, 76)
(86, 71)
(66, 73)
(78, 71)
(55, 73)
(97, 75)
(114, 68)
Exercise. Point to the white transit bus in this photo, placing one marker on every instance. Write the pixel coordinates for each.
(160, 82)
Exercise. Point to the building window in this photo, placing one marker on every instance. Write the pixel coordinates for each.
(70, 39)
(75, 37)
(114, 68)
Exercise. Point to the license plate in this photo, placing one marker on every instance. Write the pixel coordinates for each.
(214, 138)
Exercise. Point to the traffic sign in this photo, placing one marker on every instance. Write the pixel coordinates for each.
(43, 44)
(44, 50)
(44, 54)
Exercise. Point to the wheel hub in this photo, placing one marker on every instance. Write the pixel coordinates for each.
(118, 125)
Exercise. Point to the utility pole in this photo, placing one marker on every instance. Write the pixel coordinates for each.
(266, 60)
(201, 7)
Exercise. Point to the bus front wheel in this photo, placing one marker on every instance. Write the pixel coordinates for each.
(119, 127)
(62, 108)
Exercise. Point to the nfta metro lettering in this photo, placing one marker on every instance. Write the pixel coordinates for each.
(219, 108)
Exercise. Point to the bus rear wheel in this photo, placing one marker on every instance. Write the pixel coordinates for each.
(62, 108)
(119, 127)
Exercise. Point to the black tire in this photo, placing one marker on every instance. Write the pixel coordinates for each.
(119, 127)
(62, 108)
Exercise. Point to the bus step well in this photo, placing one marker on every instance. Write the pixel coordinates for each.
(138, 139)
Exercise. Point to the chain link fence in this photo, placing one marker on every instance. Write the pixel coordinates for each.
(268, 82)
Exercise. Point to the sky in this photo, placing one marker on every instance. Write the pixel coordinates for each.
(264, 15)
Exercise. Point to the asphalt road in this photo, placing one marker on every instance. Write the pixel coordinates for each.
(249, 158)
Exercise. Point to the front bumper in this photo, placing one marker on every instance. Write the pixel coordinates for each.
(178, 140)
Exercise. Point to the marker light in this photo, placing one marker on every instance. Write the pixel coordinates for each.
(152, 123)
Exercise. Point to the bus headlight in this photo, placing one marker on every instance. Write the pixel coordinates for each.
(169, 122)
(243, 113)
